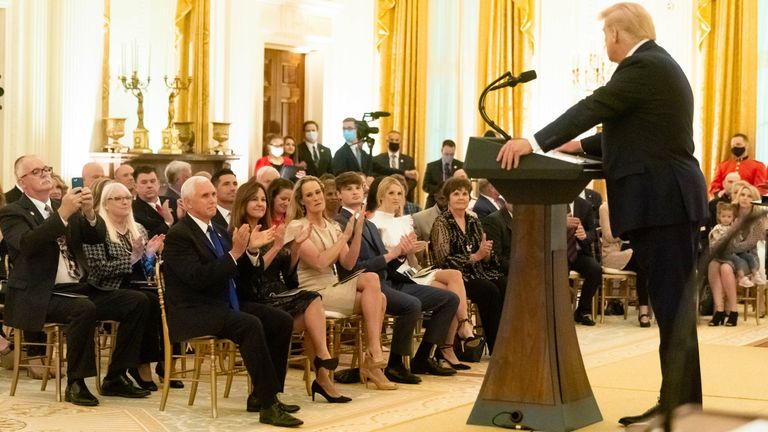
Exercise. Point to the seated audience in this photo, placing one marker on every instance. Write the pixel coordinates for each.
(580, 235)
(332, 201)
(722, 269)
(423, 220)
(47, 282)
(124, 175)
(409, 207)
(278, 197)
(60, 187)
(200, 268)
(148, 209)
(176, 173)
(266, 175)
(91, 172)
(458, 242)
(127, 256)
(498, 229)
(274, 154)
(489, 201)
(97, 187)
(396, 234)
(751, 171)
(205, 174)
(275, 274)
(328, 245)
(723, 195)
(225, 182)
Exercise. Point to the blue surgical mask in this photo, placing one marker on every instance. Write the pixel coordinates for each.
(350, 136)
(447, 159)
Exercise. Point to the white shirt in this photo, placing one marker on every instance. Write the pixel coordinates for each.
(493, 201)
(312, 149)
(62, 273)
(224, 212)
(397, 159)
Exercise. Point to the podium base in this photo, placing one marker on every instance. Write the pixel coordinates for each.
(552, 418)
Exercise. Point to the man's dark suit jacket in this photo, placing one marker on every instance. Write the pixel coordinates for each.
(220, 221)
(433, 177)
(323, 164)
(483, 207)
(372, 250)
(34, 252)
(196, 281)
(498, 227)
(595, 200)
(406, 163)
(583, 210)
(344, 160)
(147, 215)
(13, 195)
(647, 147)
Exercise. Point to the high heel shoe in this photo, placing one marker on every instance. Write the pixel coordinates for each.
(646, 323)
(146, 385)
(733, 319)
(717, 319)
(439, 355)
(317, 388)
(370, 372)
(469, 349)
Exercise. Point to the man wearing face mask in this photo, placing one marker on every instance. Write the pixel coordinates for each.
(316, 155)
(441, 170)
(751, 171)
(395, 162)
(351, 156)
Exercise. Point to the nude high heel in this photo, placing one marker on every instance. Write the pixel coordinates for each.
(370, 372)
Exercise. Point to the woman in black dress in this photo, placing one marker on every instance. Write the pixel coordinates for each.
(273, 282)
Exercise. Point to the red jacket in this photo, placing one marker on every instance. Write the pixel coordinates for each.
(750, 170)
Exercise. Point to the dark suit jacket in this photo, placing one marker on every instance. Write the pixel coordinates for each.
(34, 252)
(647, 141)
(220, 221)
(433, 177)
(406, 163)
(323, 164)
(483, 207)
(344, 160)
(595, 200)
(583, 210)
(13, 195)
(196, 281)
(498, 227)
(372, 250)
(148, 216)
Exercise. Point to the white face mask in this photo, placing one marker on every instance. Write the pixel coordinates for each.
(276, 151)
(311, 136)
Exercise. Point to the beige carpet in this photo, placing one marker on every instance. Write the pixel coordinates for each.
(620, 358)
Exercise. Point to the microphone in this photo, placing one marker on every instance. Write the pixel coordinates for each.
(512, 80)
(378, 114)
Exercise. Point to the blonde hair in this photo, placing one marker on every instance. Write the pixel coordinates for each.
(295, 207)
(381, 192)
(740, 186)
(630, 18)
(110, 189)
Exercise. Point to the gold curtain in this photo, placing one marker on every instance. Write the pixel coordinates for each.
(727, 37)
(193, 27)
(505, 44)
(401, 40)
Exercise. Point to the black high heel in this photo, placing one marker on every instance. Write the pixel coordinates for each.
(717, 319)
(330, 364)
(146, 385)
(733, 319)
(439, 355)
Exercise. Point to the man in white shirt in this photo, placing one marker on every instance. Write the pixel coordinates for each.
(225, 182)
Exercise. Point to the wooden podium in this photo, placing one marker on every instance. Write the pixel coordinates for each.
(536, 378)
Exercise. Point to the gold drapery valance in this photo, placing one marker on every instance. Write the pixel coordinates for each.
(401, 39)
(506, 43)
(727, 41)
(193, 26)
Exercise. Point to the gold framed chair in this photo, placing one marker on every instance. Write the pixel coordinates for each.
(751, 296)
(337, 327)
(106, 335)
(296, 354)
(617, 285)
(221, 354)
(52, 359)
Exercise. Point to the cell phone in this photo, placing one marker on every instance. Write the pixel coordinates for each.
(77, 182)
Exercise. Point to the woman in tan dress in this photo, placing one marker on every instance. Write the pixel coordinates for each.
(327, 247)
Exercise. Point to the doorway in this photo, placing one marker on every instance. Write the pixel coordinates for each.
(283, 93)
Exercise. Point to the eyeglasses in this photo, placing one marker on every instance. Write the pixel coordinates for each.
(38, 172)
(120, 198)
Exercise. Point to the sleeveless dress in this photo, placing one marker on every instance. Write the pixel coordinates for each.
(337, 297)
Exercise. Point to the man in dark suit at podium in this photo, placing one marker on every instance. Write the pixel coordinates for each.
(657, 190)
(440, 170)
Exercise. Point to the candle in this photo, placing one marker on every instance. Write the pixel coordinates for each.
(122, 59)
(149, 60)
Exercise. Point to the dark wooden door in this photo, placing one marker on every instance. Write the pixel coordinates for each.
(283, 92)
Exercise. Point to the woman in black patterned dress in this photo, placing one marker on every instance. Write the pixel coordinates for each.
(274, 282)
(459, 243)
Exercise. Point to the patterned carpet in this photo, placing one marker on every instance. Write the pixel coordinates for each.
(620, 358)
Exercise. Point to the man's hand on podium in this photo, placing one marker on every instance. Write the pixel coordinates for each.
(571, 147)
(509, 155)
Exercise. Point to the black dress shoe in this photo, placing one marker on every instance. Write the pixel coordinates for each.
(253, 405)
(175, 384)
(583, 319)
(400, 374)
(644, 417)
(123, 387)
(430, 366)
(146, 385)
(78, 394)
(274, 415)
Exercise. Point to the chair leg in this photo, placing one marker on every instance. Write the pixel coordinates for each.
(48, 361)
(308, 376)
(199, 356)
(18, 335)
(167, 360)
(214, 399)
(57, 360)
(98, 338)
(231, 351)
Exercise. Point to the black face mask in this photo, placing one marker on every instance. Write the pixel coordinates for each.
(394, 147)
(738, 151)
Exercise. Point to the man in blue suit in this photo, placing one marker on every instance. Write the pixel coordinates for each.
(405, 299)
(657, 190)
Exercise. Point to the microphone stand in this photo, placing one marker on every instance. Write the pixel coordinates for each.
(481, 105)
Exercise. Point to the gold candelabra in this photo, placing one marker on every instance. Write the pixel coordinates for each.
(170, 133)
(140, 134)
(590, 71)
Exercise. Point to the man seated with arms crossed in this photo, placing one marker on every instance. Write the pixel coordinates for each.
(47, 282)
(202, 298)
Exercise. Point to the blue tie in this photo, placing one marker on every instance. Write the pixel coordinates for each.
(220, 253)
